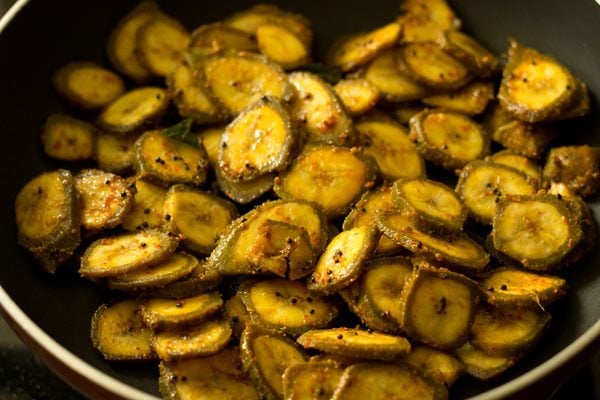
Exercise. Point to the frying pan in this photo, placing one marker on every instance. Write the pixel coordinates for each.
(52, 313)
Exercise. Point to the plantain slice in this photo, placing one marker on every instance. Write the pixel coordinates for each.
(429, 204)
(469, 51)
(236, 313)
(67, 138)
(116, 255)
(581, 107)
(535, 87)
(404, 112)
(115, 153)
(388, 143)
(342, 261)
(426, 63)
(204, 277)
(219, 376)
(458, 251)
(519, 162)
(197, 216)
(384, 381)
(577, 167)
(122, 43)
(311, 381)
(365, 210)
(482, 184)
(357, 95)
(167, 161)
(48, 219)
(119, 333)
(241, 79)
(245, 192)
(507, 332)
(538, 232)
(147, 210)
(472, 99)
(448, 139)
(442, 367)
(359, 49)
(424, 20)
(237, 251)
(333, 177)
(259, 141)
(175, 268)
(281, 45)
(480, 365)
(208, 338)
(213, 38)
(135, 110)
(320, 112)
(438, 306)
(363, 309)
(339, 361)
(355, 343)
(161, 314)
(281, 306)
(394, 85)
(211, 141)
(161, 44)
(266, 356)
(191, 98)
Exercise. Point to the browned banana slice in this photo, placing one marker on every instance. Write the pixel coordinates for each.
(311, 381)
(424, 20)
(266, 356)
(472, 99)
(482, 184)
(204, 277)
(47, 218)
(319, 110)
(394, 85)
(388, 143)
(161, 44)
(355, 343)
(105, 199)
(384, 381)
(115, 153)
(282, 46)
(147, 210)
(286, 307)
(237, 315)
(448, 139)
(239, 80)
(441, 366)
(211, 141)
(127, 252)
(458, 251)
(220, 376)
(480, 365)
(135, 110)
(438, 307)
(122, 43)
(198, 216)
(529, 140)
(333, 177)
(214, 38)
(519, 162)
(69, 139)
(245, 192)
(342, 261)
(363, 47)
(357, 95)
(167, 160)
(470, 52)
(119, 333)
(429, 204)
(162, 314)
(429, 65)
(538, 231)
(202, 340)
(535, 87)
(257, 142)
(578, 167)
(507, 332)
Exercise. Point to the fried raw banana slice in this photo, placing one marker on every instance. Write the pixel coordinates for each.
(67, 138)
(482, 184)
(204, 277)
(469, 51)
(198, 216)
(236, 313)
(119, 333)
(135, 110)
(147, 210)
(115, 153)
(48, 219)
(448, 139)
(213, 38)
(161, 314)
(245, 192)
(357, 95)
(286, 307)
(363, 309)
(577, 167)
(443, 367)
(480, 365)
(424, 20)
(333, 177)
(472, 99)
(519, 162)
(404, 112)
(429, 204)
(211, 141)
(282, 46)
(127, 252)
(342, 261)
(311, 381)
(388, 143)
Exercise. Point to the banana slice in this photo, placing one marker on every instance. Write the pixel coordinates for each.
(443, 367)
(519, 162)
(204, 277)
(211, 39)
(482, 366)
(357, 95)
(236, 313)
(161, 44)
(404, 112)
(425, 20)
(244, 192)
(211, 141)
(359, 305)
(161, 314)
(472, 99)
(283, 46)
(578, 167)
(467, 50)
(313, 380)
(69, 139)
(114, 152)
(147, 207)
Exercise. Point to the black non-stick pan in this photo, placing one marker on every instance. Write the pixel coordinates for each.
(52, 313)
